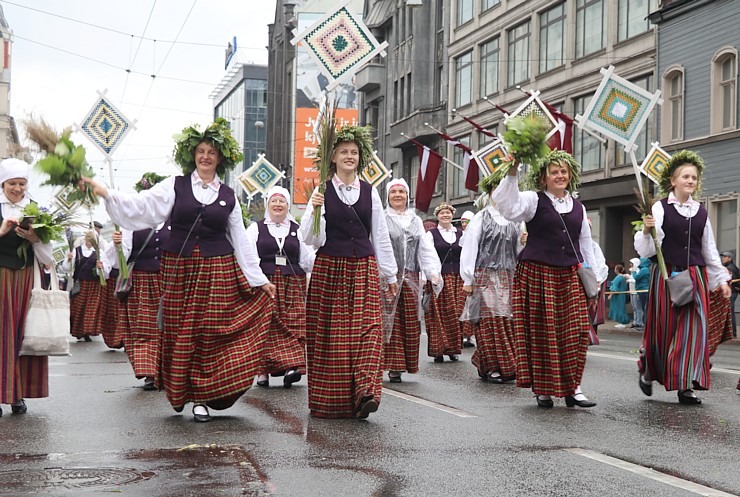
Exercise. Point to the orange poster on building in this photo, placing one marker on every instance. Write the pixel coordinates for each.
(305, 175)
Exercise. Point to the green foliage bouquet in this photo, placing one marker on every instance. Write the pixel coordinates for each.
(525, 138)
(48, 225)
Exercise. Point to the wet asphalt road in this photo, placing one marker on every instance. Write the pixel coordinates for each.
(451, 435)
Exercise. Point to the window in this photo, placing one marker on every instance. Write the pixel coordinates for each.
(552, 38)
(484, 139)
(633, 18)
(589, 26)
(458, 176)
(488, 4)
(464, 11)
(672, 111)
(464, 79)
(489, 66)
(518, 54)
(726, 224)
(414, 172)
(645, 138)
(724, 91)
(586, 148)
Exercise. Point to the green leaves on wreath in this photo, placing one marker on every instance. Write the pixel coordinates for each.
(525, 138)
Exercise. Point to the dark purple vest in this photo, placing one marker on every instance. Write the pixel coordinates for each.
(150, 257)
(348, 226)
(9, 245)
(548, 240)
(209, 233)
(84, 266)
(675, 242)
(267, 248)
(448, 253)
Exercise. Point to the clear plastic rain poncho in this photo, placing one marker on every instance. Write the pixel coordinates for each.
(498, 242)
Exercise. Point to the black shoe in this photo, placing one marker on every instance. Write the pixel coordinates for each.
(453, 358)
(201, 418)
(439, 358)
(500, 380)
(1, 412)
(468, 342)
(647, 388)
(88, 338)
(546, 403)
(149, 383)
(264, 383)
(368, 406)
(291, 376)
(570, 401)
(394, 377)
(685, 399)
(19, 408)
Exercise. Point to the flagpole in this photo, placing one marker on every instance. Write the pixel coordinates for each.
(443, 157)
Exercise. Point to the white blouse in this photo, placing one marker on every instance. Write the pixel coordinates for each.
(150, 208)
(280, 231)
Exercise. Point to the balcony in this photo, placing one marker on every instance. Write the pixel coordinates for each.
(370, 77)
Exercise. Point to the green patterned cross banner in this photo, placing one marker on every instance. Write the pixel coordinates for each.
(654, 162)
(491, 157)
(375, 172)
(619, 109)
(105, 125)
(340, 44)
(260, 177)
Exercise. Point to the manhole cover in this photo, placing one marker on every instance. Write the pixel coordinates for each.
(35, 479)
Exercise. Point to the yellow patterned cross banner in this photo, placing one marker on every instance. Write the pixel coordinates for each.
(655, 160)
(375, 172)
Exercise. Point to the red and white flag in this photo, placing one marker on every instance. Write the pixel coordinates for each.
(471, 173)
(430, 163)
(562, 139)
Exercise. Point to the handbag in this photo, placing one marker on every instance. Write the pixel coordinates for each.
(680, 285)
(471, 309)
(585, 274)
(75, 288)
(124, 285)
(46, 331)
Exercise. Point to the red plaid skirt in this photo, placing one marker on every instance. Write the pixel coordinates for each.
(344, 335)
(214, 329)
(285, 345)
(443, 325)
(402, 352)
(719, 323)
(139, 323)
(551, 326)
(112, 311)
(21, 377)
(86, 310)
(494, 350)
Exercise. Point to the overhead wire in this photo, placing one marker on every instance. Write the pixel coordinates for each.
(138, 47)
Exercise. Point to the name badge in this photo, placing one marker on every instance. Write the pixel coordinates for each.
(281, 260)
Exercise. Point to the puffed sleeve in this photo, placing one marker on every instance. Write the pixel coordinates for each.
(716, 272)
(511, 203)
(147, 209)
(245, 252)
(382, 241)
(307, 226)
(469, 252)
(644, 243)
(428, 259)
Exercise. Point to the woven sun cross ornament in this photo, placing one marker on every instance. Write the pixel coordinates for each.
(105, 125)
(341, 44)
(375, 172)
(534, 106)
(491, 157)
(261, 176)
(61, 201)
(619, 109)
(654, 162)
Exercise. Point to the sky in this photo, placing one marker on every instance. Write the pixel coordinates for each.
(65, 52)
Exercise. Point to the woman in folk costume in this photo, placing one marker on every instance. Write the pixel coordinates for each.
(597, 313)
(21, 377)
(216, 302)
(110, 307)
(469, 327)
(675, 348)
(443, 325)
(551, 320)
(344, 331)
(86, 307)
(487, 264)
(138, 318)
(285, 260)
(414, 254)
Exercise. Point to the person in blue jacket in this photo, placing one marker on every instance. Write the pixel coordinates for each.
(642, 282)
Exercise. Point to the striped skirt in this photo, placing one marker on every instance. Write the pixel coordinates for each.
(719, 323)
(675, 349)
(285, 345)
(86, 309)
(139, 323)
(214, 329)
(344, 335)
(20, 376)
(112, 311)
(551, 328)
(402, 351)
(443, 325)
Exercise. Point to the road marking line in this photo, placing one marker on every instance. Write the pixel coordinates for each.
(650, 473)
(428, 403)
(625, 358)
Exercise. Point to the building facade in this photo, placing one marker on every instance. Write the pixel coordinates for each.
(9, 141)
(241, 99)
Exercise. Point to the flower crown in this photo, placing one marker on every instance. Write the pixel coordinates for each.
(360, 135)
(538, 170)
(148, 180)
(442, 206)
(217, 134)
(679, 159)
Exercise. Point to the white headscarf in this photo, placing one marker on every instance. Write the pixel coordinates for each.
(283, 192)
(12, 169)
(467, 215)
(396, 182)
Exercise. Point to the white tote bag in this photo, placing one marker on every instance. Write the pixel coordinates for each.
(47, 321)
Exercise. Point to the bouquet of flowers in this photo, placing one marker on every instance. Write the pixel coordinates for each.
(48, 226)
(326, 130)
(525, 138)
(148, 180)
